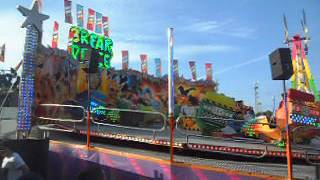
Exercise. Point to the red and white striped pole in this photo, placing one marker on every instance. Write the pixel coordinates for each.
(171, 91)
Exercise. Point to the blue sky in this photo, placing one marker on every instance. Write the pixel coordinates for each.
(236, 36)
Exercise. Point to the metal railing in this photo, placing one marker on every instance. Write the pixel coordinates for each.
(209, 121)
(49, 127)
(64, 119)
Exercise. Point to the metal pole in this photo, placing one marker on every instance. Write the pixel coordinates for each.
(171, 91)
(88, 109)
(288, 143)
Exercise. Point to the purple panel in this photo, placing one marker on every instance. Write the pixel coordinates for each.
(66, 162)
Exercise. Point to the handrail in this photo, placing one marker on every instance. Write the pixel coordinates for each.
(48, 128)
(136, 111)
(64, 120)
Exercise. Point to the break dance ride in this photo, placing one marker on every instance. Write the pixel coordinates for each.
(78, 92)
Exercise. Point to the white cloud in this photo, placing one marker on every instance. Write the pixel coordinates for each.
(131, 37)
(199, 49)
(135, 49)
(227, 27)
(248, 62)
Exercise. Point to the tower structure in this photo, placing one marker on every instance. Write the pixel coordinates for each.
(33, 25)
(256, 97)
(302, 78)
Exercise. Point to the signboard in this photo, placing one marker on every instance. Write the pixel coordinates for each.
(88, 45)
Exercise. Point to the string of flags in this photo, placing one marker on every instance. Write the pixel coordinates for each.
(80, 15)
(96, 21)
(192, 65)
(55, 36)
(67, 11)
(2, 52)
(157, 62)
(125, 59)
(175, 68)
(90, 23)
(144, 63)
(99, 23)
(105, 23)
(209, 71)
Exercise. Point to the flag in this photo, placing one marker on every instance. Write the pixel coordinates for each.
(175, 68)
(209, 71)
(67, 11)
(157, 62)
(105, 23)
(90, 23)
(79, 15)
(2, 52)
(18, 66)
(144, 63)
(40, 4)
(70, 38)
(98, 23)
(125, 60)
(55, 36)
(192, 65)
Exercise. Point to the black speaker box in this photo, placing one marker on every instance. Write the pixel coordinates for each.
(281, 64)
(92, 62)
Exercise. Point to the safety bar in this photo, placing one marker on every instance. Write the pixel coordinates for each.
(134, 111)
(64, 120)
(220, 138)
(49, 127)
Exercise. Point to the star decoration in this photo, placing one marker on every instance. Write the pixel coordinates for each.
(33, 16)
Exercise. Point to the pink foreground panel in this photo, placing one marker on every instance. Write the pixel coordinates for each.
(66, 161)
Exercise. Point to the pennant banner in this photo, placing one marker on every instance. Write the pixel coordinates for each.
(105, 23)
(67, 11)
(98, 23)
(2, 52)
(209, 71)
(157, 62)
(55, 36)
(71, 34)
(192, 65)
(175, 68)
(90, 23)
(18, 66)
(80, 15)
(125, 60)
(144, 63)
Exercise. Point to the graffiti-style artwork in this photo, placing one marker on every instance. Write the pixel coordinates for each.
(62, 80)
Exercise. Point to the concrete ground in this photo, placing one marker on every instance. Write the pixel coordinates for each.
(8, 122)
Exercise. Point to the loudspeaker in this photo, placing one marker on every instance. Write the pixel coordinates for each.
(281, 64)
(91, 65)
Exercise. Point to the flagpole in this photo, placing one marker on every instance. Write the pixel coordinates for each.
(171, 91)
